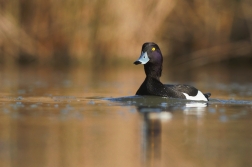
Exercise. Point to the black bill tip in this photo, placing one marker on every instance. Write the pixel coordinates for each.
(137, 62)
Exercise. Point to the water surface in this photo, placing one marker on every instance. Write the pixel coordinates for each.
(79, 117)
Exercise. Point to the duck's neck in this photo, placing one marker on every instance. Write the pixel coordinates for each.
(153, 70)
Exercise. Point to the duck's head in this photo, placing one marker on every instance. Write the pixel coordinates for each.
(152, 59)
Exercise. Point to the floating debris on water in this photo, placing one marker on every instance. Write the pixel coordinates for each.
(5, 110)
(91, 102)
(223, 118)
(64, 111)
(19, 98)
(21, 91)
(20, 104)
(163, 104)
(132, 110)
(222, 110)
(33, 105)
(212, 110)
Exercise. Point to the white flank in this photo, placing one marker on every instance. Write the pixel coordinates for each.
(199, 96)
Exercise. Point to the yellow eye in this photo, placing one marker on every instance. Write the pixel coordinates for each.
(153, 49)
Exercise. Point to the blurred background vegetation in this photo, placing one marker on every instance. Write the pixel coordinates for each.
(82, 32)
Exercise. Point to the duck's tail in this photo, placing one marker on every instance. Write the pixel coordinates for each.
(207, 95)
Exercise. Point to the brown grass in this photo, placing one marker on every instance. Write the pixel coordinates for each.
(80, 31)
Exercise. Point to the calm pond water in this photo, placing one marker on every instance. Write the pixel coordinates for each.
(80, 117)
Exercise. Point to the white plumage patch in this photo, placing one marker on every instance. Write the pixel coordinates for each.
(199, 96)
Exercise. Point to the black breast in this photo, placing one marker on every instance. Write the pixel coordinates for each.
(152, 86)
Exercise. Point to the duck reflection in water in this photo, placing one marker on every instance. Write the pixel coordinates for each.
(153, 120)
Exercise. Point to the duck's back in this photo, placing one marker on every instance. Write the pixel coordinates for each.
(190, 90)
